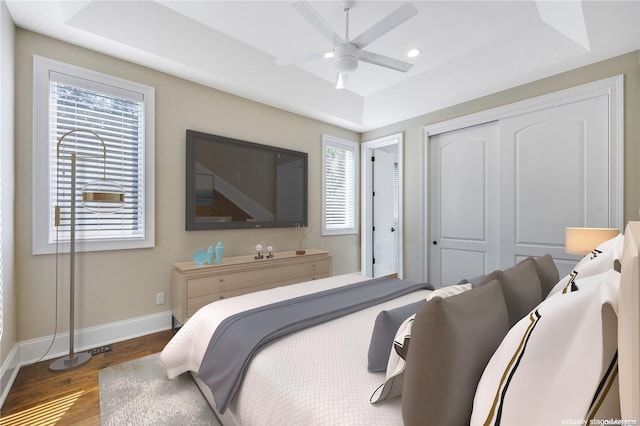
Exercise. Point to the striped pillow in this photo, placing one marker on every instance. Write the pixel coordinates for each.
(601, 259)
(558, 363)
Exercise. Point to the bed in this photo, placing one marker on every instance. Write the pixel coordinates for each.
(461, 371)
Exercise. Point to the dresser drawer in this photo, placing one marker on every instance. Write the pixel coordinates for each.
(259, 276)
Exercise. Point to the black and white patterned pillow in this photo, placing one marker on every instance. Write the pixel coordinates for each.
(601, 259)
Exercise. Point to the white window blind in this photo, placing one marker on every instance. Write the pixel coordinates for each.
(340, 186)
(121, 112)
(396, 191)
(119, 122)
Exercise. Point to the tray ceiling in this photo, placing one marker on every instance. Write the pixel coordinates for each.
(468, 48)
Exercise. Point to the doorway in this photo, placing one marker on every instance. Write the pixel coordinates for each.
(381, 219)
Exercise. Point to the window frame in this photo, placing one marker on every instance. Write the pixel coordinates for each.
(347, 145)
(42, 67)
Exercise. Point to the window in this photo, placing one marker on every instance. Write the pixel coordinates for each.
(121, 113)
(340, 183)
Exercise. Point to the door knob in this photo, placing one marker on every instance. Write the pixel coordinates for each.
(435, 243)
(393, 229)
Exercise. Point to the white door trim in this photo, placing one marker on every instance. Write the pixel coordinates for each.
(366, 241)
(612, 87)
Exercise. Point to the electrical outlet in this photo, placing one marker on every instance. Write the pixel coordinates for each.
(159, 298)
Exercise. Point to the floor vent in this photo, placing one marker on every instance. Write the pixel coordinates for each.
(100, 350)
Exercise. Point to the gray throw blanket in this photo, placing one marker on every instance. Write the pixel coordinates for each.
(239, 336)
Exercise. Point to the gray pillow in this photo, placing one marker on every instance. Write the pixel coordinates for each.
(520, 285)
(480, 279)
(451, 344)
(521, 288)
(547, 272)
(484, 279)
(384, 331)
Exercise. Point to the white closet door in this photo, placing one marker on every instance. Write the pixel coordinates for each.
(554, 173)
(463, 199)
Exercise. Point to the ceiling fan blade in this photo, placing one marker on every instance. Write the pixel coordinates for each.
(384, 61)
(341, 80)
(396, 18)
(311, 16)
(304, 58)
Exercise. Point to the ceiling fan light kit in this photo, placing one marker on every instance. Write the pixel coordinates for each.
(347, 52)
(346, 57)
(341, 80)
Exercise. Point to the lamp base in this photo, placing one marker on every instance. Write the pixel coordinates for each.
(67, 363)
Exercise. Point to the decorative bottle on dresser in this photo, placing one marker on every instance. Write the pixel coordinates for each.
(219, 252)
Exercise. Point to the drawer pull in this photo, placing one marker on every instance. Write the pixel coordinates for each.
(221, 297)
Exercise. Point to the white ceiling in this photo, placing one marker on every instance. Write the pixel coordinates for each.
(469, 48)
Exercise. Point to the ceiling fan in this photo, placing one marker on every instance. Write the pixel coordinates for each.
(347, 52)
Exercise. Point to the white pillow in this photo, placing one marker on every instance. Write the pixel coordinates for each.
(450, 290)
(392, 386)
(558, 363)
(601, 259)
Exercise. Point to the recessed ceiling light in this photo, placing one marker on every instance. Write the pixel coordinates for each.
(412, 53)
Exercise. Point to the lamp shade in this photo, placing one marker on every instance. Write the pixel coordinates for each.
(102, 196)
(584, 240)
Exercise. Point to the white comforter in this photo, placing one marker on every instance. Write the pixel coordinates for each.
(316, 376)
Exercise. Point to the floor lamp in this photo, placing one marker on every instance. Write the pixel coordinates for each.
(98, 196)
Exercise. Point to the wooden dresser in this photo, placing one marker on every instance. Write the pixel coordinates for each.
(194, 286)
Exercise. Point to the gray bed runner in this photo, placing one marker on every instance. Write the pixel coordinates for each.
(239, 336)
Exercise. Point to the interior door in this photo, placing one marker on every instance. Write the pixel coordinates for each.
(463, 204)
(385, 245)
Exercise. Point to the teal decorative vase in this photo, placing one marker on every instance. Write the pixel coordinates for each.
(219, 253)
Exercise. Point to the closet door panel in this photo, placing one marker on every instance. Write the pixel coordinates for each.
(463, 196)
(463, 190)
(549, 180)
(554, 174)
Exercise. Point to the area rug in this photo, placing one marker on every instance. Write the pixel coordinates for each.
(138, 392)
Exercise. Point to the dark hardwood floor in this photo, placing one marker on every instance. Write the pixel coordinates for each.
(40, 397)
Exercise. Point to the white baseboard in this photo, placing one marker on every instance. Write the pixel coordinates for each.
(8, 373)
(30, 351)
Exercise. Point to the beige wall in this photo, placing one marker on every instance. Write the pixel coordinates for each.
(7, 33)
(119, 285)
(628, 64)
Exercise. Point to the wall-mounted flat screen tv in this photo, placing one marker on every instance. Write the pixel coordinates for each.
(235, 184)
